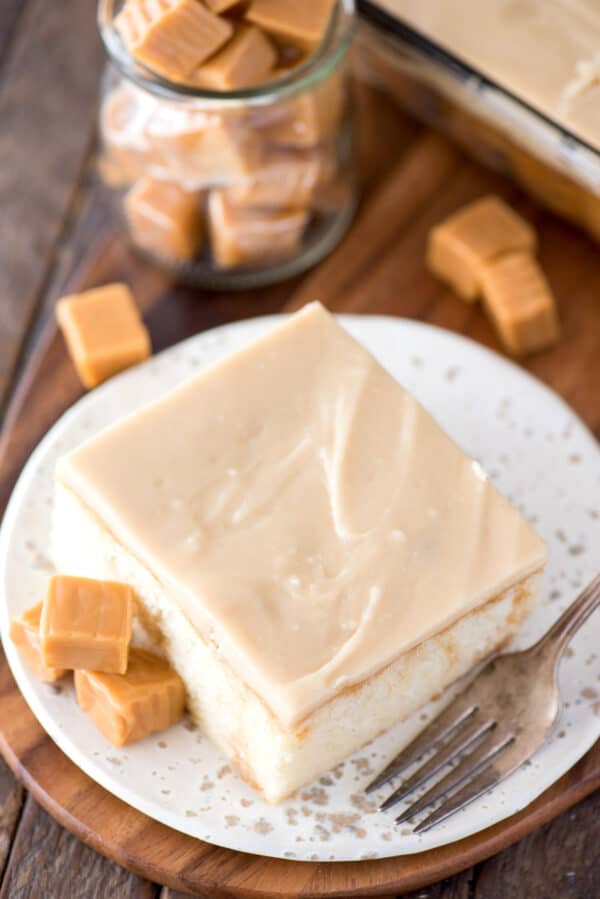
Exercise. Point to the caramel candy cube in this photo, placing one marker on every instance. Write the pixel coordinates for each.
(520, 303)
(164, 219)
(86, 624)
(307, 120)
(127, 154)
(25, 634)
(298, 23)
(103, 331)
(284, 181)
(245, 61)
(200, 148)
(149, 697)
(461, 246)
(124, 150)
(221, 6)
(171, 37)
(249, 236)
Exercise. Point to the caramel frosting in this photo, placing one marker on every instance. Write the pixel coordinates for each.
(544, 52)
(309, 517)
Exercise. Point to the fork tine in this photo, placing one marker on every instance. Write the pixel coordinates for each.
(486, 780)
(469, 766)
(463, 740)
(441, 728)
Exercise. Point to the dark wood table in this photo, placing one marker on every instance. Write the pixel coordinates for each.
(51, 207)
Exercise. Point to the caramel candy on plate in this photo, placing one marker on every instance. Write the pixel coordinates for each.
(103, 331)
(520, 303)
(86, 624)
(247, 59)
(241, 236)
(25, 634)
(471, 238)
(164, 219)
(128, 707)
(171, 37)
(299, 23)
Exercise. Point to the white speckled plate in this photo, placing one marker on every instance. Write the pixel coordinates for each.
(533, 447)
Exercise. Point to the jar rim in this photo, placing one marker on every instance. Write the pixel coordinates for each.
(306, 76)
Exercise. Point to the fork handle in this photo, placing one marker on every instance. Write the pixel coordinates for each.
(556, 639)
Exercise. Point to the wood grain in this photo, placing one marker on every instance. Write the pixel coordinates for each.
(11, 801)
(379, 268)
(44, 138)
(558, 860)
(46, 862)
(10, 11)
(459, 887)
(167, 893)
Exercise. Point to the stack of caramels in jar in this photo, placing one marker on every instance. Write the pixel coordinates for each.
(238, 184)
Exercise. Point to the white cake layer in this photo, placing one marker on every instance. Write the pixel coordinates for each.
(275, 760)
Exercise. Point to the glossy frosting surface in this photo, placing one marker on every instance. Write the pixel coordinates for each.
(547, 52)
(308, 515)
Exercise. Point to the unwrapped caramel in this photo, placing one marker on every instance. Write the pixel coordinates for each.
(246, 60)
(221, 6)
(25, 634)
(172, 37)
(284, 180)
(103, 332)
(128, 707)
(242, 236)
(300, 24)
(520, 303)
(123, 118)
(306, 120)
(86, 624)
(461, 246)
(164, 219)
(201, 148)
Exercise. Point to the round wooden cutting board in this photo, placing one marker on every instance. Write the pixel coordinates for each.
(378, 269)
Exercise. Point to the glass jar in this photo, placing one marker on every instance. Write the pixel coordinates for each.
(238, 188)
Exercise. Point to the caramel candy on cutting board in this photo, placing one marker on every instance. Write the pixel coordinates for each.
(128, 707)
(468, 240)
(86, 624)
(103, 331)
(25, 634)
(247, 59)
(298, 23)
(164, 219)
(242, 236)
(520, 303)
(171, 37)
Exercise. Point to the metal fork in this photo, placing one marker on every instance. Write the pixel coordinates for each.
(491, 728)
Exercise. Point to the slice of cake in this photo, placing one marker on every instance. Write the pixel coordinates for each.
(318, 555)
